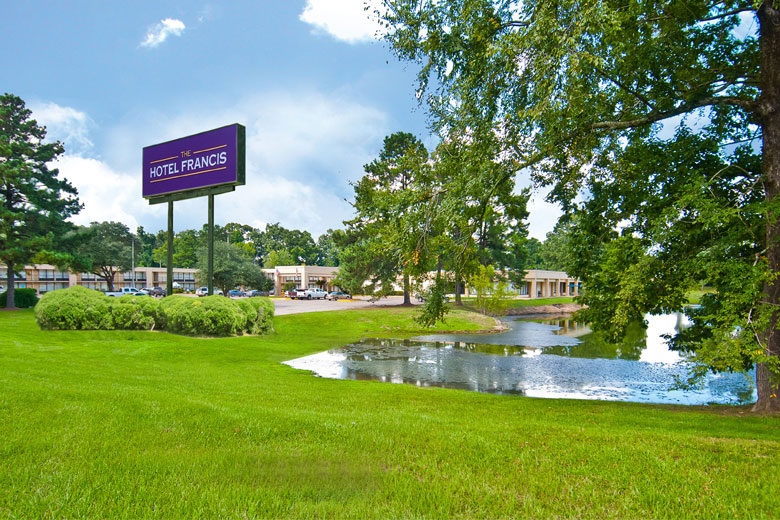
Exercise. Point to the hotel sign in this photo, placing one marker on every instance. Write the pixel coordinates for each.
(207, 160)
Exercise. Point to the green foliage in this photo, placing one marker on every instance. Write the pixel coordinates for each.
(23, 298)
(34, 202)
(260, 315)
(381, 241)
(75, 308)
(299, 244)
(231, 267)
(434, 309)
(493, 295)
(136, 313)
(210, 316)
(574, 93)
(78, 308)
(275, 258)
(104, 249)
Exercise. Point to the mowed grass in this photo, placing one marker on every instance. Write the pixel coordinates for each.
(153, 425)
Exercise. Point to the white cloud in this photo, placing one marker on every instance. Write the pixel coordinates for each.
(64, 124)
(158, 33)
(352, 21)
(303, 148)
(105, 193)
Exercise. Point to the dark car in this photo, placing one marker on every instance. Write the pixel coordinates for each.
(235, 293)
(156, 291)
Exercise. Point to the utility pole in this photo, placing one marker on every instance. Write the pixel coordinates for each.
(132, 257)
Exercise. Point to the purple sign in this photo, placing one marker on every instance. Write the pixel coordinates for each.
(213, 158)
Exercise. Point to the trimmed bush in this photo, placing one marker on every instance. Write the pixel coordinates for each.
(259, 312)
(136, 312)
(211, 315)
(79, 308)
(264, 315)
(75, 308)
(23, 298)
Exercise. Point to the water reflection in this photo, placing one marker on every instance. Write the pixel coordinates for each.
(538, 357)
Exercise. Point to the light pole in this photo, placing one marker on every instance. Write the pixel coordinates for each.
(132, 257)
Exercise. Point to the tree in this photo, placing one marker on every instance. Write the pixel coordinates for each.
(145, 255)
(554, 251)
(231, 267)
(384, 203)
(299, 244)
(533, 254)
(34, 202)
(105, 250)
(328, 248)
(569, 86)
(275, 258)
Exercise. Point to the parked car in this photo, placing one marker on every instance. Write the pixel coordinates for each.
(315, 294)
(255, 292)
(124, 291)
(292, 293)
(235, 293)
(204, 291)
(156, 291)
(338, 295)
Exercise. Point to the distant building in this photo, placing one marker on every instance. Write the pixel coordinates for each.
(536, 284)
(44, 278)
(302, 276)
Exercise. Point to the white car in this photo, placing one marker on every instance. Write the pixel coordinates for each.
(315, 294)
(204, 291)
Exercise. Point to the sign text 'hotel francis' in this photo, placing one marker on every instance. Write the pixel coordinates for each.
(209, 159)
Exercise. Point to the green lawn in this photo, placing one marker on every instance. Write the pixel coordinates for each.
(148, 424)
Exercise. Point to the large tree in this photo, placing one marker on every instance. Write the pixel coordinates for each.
(573, 89)
(105, 250)
(232, 267)
(385, 201)
(34, 202)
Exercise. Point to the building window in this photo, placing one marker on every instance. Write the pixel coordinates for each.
(61, 276)
(46, 274)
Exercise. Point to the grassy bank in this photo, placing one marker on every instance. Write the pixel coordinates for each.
(146, 424)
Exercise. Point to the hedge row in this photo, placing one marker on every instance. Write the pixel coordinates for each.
(23, 298)
(79, 308)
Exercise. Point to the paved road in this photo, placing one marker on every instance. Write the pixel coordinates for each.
(287, 306)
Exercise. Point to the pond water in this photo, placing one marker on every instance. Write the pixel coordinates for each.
(537, 357)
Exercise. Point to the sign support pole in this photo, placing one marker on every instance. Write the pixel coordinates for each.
(211, 245)
(169, 265)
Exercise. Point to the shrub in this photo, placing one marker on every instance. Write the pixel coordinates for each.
(75, 308)
(136, 313)
(263, 315)
(212, 315)
(23, 298)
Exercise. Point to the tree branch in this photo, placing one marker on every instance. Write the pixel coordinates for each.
(750, 106)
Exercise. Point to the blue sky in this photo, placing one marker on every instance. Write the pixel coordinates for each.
(314, 87)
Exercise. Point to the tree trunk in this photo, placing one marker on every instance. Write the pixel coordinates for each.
(769, 111)
(10, 302)
(458, 286)
(407, 297)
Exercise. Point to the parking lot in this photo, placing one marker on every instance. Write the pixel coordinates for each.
(287, 306)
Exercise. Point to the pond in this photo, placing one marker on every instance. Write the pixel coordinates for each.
(537, 357)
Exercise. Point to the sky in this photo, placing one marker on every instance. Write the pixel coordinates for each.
(309, 79)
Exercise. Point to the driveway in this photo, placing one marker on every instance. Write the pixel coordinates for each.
(287, 306)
